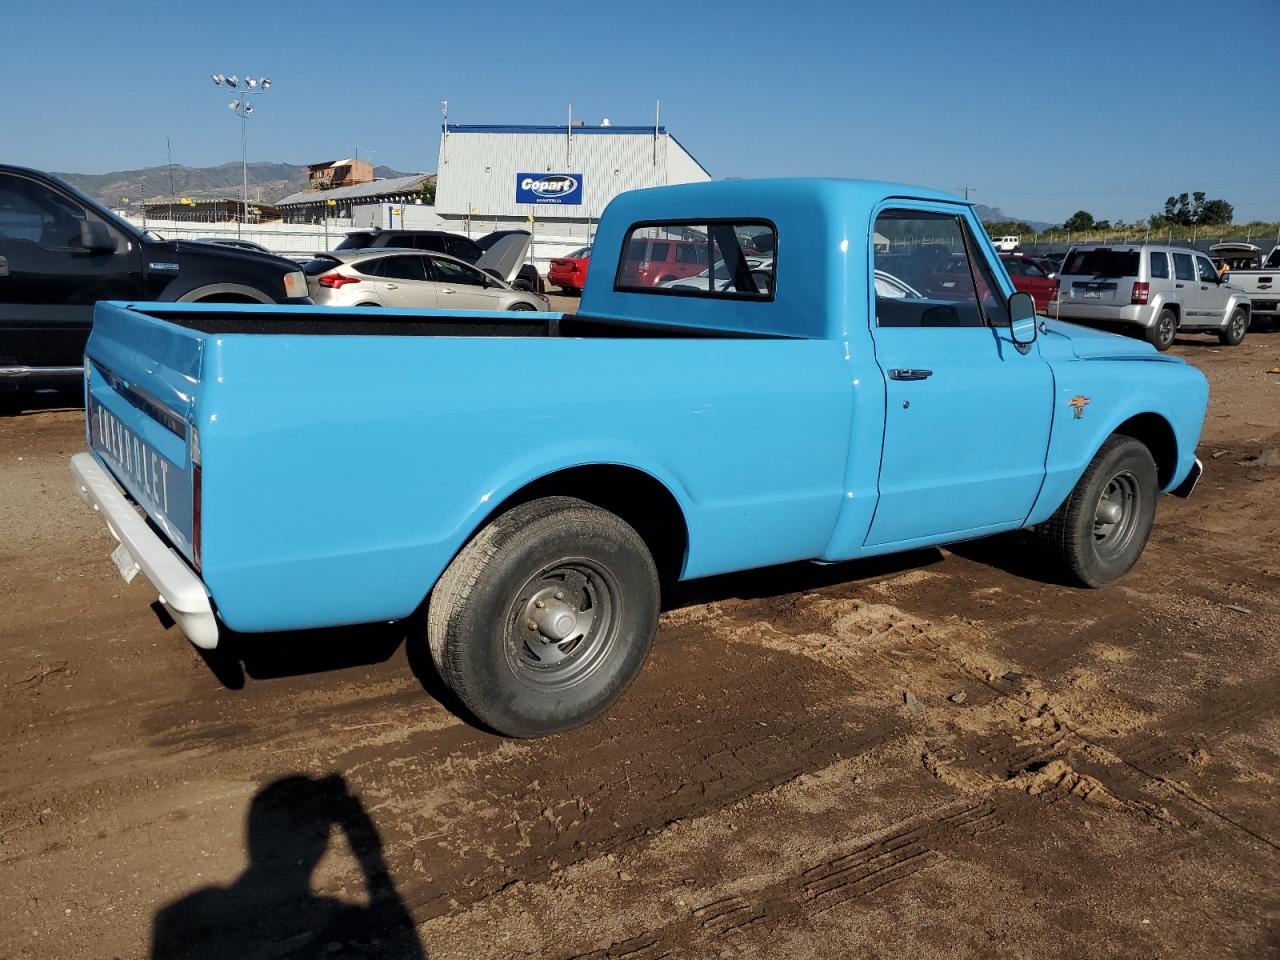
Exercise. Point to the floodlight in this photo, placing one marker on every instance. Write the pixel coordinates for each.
(248, 108)
(266, 82)
(232, 80)
(218, 78)
(250, 82)
(233, 105)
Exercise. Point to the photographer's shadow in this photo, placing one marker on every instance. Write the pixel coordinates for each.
(270, 910)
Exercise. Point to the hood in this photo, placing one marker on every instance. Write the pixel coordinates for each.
(505, 252)
(215, 253)
(1063, 339)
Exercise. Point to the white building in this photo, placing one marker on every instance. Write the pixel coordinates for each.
(563, 176)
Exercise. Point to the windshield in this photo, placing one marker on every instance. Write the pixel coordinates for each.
(582, 253)
(1102, 263)
(355, 241)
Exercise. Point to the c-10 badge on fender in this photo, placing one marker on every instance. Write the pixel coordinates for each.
(1078, 403)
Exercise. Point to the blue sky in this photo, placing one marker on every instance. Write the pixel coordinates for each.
(1043, 108)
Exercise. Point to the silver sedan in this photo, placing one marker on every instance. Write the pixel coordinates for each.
(388, 277)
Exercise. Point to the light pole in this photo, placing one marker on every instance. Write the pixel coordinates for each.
(241, 107)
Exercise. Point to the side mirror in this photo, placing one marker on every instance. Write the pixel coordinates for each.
(96, 238)
(1022, 319)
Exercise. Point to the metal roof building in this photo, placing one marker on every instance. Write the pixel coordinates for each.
(558, 173)
(309, 205)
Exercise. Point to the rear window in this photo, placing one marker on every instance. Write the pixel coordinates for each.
(356, 241)
(318, 265)
(1102, 263)
(713, 259)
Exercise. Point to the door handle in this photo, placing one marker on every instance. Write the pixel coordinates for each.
(899, 374)
(1179, 285)
(448, 291)
(390, 286)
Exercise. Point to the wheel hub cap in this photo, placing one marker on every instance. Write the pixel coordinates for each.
(554, 619)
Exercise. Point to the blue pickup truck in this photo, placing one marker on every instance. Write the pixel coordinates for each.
(830, 386)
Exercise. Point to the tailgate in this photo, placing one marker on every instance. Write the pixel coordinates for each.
(141, 377)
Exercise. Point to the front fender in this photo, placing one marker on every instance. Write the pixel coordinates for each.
(1115, 391)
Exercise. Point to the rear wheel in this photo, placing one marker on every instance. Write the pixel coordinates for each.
(545, 616)
(1161, 333)
(367, 304)
(1233, 333)
(1100, 531)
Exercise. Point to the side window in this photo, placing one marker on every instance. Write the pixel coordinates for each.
(1183, 269)
(923, 263)
(462, 248)
(1207, 273)
(728, 252)
(1031, 269)
(427, 242)
(401, 268)
(368, 268)
(1159, 265)
(1014, 266)
(29, 211)
(450, 271)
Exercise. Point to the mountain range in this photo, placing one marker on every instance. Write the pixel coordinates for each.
(268, 182)
(994, 214)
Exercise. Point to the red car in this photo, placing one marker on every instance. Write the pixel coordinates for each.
(1031, 276)
(651, 261)
(570, 273)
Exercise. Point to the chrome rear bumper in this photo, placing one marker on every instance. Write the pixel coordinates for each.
(181, 591)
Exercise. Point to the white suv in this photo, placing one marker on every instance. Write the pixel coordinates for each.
(1158, 289)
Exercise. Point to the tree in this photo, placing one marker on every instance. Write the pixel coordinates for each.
(1079, 221)
(1007, 228)
(1187, 209)
(1215, 212)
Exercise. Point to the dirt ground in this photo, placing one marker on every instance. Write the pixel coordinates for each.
(1108, 786)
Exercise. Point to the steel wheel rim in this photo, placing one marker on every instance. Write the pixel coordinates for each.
(1237, 326)
(1167, 330)
(1115, 518)
(562, 624)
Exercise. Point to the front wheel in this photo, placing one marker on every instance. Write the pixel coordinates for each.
(1161, 333)
(521, 305)
(1100, 531)
(1233, 333)
(545, 616)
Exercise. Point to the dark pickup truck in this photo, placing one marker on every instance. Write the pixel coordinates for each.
(61, 252)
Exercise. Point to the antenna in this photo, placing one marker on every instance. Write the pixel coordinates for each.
(966, 191)
(657, 115)
(444, 143)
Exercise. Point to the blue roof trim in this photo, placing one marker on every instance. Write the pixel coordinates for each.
(545, 128)
(692, 157)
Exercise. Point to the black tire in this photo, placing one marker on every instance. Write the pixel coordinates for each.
(522, 306)
(1094, 549)
(570, 291)
(513, 677)
(1161, 333)
(368, 305)
(1233, 333)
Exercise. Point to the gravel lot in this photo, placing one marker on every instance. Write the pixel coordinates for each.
(1108, 784)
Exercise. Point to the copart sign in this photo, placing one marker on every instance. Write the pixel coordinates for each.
(561, 188)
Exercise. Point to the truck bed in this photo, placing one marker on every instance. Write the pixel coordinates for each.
(417, 323)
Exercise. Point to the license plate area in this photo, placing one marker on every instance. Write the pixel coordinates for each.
(125, 563)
